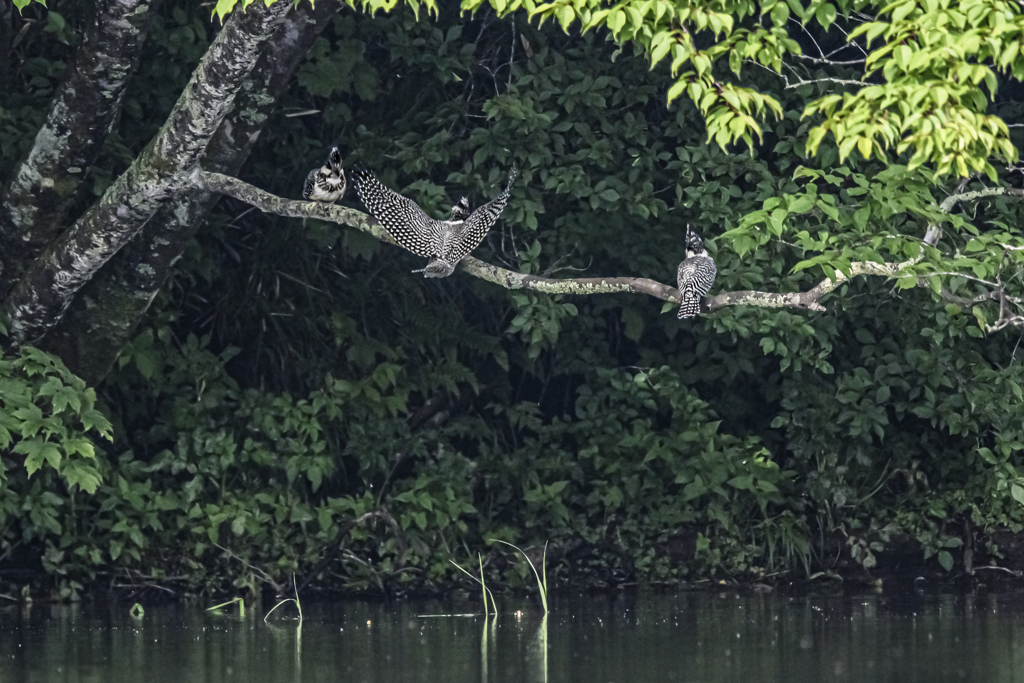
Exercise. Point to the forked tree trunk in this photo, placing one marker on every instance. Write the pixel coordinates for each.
(104, 314)
(168, 165)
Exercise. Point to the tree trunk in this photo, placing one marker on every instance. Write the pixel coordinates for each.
(47, 182)
(103, 316)
(169, 164)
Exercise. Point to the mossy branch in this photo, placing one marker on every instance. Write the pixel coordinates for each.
(509, 279)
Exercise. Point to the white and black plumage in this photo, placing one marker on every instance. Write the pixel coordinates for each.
(460, 211)
(327, 183)
(446, 242)
(695, 276)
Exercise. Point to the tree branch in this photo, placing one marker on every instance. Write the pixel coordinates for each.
(165, 167)
(47, 181)
(809, 300)
(509, 279)
(952, 200)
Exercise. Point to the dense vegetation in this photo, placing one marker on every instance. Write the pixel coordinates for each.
(296, 403)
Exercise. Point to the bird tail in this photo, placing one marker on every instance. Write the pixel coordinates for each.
(512, 175)
(689, 308)
(437, 267)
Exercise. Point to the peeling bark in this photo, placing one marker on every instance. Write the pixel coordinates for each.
(46, 183)
(106, 311)
(167, 166)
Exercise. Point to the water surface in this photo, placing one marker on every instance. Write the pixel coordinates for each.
(692, 637)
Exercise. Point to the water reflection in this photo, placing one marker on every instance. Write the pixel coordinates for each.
(690, 637)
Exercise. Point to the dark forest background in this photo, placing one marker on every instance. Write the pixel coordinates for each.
(297, 403)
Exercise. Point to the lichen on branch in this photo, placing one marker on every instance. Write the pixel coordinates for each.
(47, 181)
(509, 279)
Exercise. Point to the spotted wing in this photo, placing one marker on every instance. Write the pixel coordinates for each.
(479, 223)
(403, 219)
(307, 188)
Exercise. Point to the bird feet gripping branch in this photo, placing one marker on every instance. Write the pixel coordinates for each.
(695, 276)
(444, 242)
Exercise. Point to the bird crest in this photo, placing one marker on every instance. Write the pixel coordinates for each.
(460, 211)
(326, 184)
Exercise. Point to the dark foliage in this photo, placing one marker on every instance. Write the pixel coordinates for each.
(296, 394)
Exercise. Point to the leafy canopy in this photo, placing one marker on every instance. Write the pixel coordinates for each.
(924, 89)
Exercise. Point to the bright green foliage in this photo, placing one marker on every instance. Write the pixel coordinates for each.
(665, 30)
(47, 415)
(935, 58)
(937, 63)
(225, 7)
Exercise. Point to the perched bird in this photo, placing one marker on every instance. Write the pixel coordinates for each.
(445, 243)
(695, 276)
(327, 183)
(460, 211)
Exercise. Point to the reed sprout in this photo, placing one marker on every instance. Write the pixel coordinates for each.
(542, 583)
(298, 604)
(484, 590)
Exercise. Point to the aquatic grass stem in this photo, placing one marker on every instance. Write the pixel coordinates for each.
(542, 645)
(542, 584)
(232, 601)
(485, 591)
(483, 652)
(298, 605)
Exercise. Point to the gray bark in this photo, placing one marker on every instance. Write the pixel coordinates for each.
(106, 311)
(167, 165)
(47, 182)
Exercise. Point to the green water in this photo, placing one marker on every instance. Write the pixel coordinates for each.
(696, 637)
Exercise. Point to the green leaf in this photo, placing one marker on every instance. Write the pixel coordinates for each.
(223, 8)
(1017, 492)
(826, 15)
(780, 14)
(801, 204)
(22, 4)
(37, 452)
(81, 475)
(79, 444)
(633, 324)
(945, 559)
(565, 16)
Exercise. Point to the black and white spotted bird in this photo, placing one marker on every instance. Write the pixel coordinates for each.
(444, 242)
(695, 276)
(327, 183)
